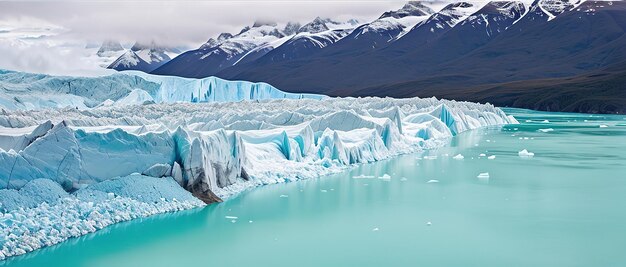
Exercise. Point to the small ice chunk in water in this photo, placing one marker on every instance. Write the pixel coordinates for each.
(323, 190)
(458, 157)
(375, 229)
(233, 221)
(432, 181)
(249, 221)
(430, 157)
(492, 157)
(546, 130)
(483, 175)
(110, 195)
(284, 196)
(545, 121)
(429, 223)
(482, 155)
(231, 217)
(385, 177)
(363, 176)
(603, 126)
(403, 179)
(526, 154)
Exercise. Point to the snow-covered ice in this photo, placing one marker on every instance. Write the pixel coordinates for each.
(42, 214)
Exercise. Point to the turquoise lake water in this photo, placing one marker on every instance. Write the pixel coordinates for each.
(566, 206)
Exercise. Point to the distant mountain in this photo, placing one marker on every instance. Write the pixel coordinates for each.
(325, 38)
(417, 51)
(462, 46)
(263, 42)
(108, 48)
(214, 56)
(144, 57)
(412, 8)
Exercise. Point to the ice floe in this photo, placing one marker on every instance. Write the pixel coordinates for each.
(385, 177)
(483, 175)
(363, 176)
(525, 154)
(458, 157)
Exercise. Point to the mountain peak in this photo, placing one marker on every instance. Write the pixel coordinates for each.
(108, 47)
(412, 8)
(260, 23)
(315, 26)
(292, 28)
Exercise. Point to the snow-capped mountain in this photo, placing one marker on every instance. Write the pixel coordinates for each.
(310, 39)
(381, 32)
(463, 44)
(253, 43)
(412, 8)
(553, 8)
(224, 52)
(144, 57)
(493, 18)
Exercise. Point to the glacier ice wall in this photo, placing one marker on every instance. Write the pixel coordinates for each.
(26, 91)
(217, 149)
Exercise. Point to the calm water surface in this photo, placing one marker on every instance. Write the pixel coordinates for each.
(564, 207)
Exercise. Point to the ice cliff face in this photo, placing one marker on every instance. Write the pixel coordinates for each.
(216, 150)
(27, 91)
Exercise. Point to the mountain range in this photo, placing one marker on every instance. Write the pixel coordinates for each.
(142, 57)
(557, 55)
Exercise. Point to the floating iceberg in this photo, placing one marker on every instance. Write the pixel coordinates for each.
(207, 150)
(526, 154)
(483, 175)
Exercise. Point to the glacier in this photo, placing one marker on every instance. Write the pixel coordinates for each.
(27, 91)
(181, 143)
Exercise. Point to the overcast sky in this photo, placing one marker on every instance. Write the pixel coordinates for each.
(42, 36)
